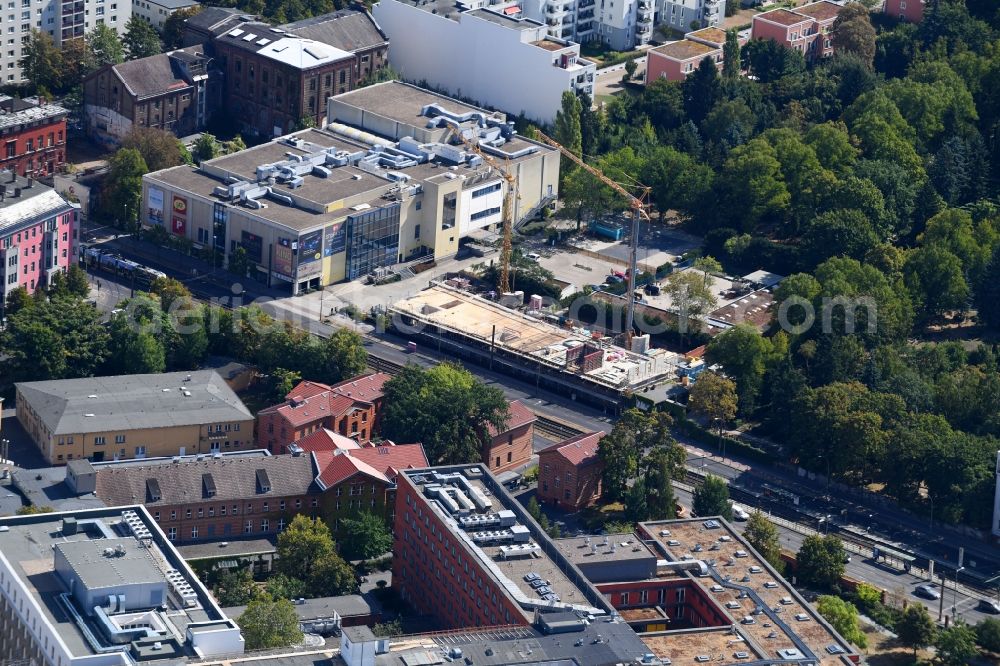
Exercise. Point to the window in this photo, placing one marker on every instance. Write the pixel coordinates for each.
(201, 513)
(298, 504)
(281, 505)
(140, 452)
(187, 514)
(222, 510)
(173, 515)
(98, 441)
(172, 534)
(264, 509)
(343, 76)
(194, 532)
(156, 516)
(485, 213)
(281, 524)
(482, 192)
(416, 232)
(264, 525)
(248, 528)
(119, 439)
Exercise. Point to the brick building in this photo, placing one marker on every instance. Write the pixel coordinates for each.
(37, 231)
(34, 136)
(176, 91)
(569, 472)
(905, 10)
(805, 29)
(677, 60)
(349, 408)
(278, 77)
(511, 448)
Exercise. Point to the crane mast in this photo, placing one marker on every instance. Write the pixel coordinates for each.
(638, 207)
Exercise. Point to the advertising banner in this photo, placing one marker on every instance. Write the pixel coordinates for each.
(253, 245)
(179, 223)
(155, 212)
(336, 239)
(283, 257)
(309, 247)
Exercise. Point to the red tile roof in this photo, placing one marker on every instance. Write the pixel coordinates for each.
(367, 388)
(378, 462)
(306, 389)
(310, 401)
(520, 415)
(580, 450)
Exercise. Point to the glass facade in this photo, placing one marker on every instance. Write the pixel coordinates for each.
(372, 240)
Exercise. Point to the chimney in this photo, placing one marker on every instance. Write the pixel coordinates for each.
(29, 183)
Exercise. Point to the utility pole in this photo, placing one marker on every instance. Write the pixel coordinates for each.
(633, 251)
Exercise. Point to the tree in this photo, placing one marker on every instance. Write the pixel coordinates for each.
(820, 561)
(988, 292)
(636, 501)
(853, 32)
(76, 281)
(713, 397)
(280, 586)
(281, 383)
(567, 128)
(159, 148)
(915, 628)
(122, 195)
(344, 356)
(621, 450)
(367, 537)
(752, 188)
(331, 576)
(769, 61)
(731, 54)
(711, 498)
(239, 264)
(744, 354)
(42, 63)
(205, 148)
(140, 40)
(18, 299)
(987, 634)
(661, 466)
(301, 545)
(936, 281)
(234, 145)
(269, 624)
(956, 645)
(837, 233)
(137, 350)
(173, 27)
(235, 587)
(762, 534)
(691, 298)
(843, 616)
(630, 67)
(104, 47)
(445, 408)
(701, 90)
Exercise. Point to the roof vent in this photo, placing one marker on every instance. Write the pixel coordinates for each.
(89, 416)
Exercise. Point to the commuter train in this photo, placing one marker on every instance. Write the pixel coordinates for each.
(98, 258)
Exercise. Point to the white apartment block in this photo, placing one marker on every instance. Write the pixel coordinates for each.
(688, 15)
(61, 19)
(156, 12)
(513, 64)
(621, 24)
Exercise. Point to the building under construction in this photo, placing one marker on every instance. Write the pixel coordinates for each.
(569, 360)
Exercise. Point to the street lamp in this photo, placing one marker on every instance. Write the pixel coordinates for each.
(954, 594)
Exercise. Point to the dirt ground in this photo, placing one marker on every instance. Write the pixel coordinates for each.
(83, 154)
(884, 651)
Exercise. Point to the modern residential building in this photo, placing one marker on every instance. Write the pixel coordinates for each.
(177, 91)
(63, 20)
(276, 78)
(350, 409)
(467, 554)
(538, 66)
(686, 15)
(805, 29)
(104, 587)
(37, 234)
(511, 447)
(677, 60)
(382, 184)
(905, 10)
(569, 472)
(34, 136)
(156, 12)
(133, 416)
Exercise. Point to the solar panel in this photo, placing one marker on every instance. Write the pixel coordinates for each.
(263, 42)
(249, 37)
(236, 33)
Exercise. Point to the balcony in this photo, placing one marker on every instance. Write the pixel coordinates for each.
(585, 3)
(585, 28)
(645, 20)
(584, 15)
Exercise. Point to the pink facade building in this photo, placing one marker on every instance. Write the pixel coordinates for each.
(37, 233)
(677, 60)
(805, 29)
(905, 10)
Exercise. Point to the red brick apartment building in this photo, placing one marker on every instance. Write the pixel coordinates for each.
(569, 472)
(251, 495)
(905, 10)
(349, 408)
(677, 60)
(511, 448)
(33, 135)
(805, 29)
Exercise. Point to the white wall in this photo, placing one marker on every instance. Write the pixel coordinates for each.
(473, 58)
(469, 206)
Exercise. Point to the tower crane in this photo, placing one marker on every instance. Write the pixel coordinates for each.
(507, 212)
(638, 206)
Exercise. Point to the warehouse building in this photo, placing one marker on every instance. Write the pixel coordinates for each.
(384, 183)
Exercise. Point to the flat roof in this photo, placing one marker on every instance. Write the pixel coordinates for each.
(612, 548)
(821, 11)
(34, 202)
(27, 552)
(685, 49)
(782, 17)
(348, 605)
(210, 550)
(719, 644)
(134, 402)
(403, 102)
(503, 20)
(743, 584)
(710, 34)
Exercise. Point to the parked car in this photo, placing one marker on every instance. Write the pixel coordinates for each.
(927, 591)
(534, 256)
(740, 514)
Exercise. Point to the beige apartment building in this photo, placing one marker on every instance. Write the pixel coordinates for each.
(133, 416)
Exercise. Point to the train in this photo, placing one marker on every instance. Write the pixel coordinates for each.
(94, 258)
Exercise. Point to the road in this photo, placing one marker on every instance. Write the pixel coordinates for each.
(884, 522)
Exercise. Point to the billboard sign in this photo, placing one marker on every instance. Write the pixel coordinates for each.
(310, 247)
(155, 206)
(179, 210)
(284, 262)
(336, 239)
(253, 245)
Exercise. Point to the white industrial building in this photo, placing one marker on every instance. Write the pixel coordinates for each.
(500, 61)
(62, 20)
